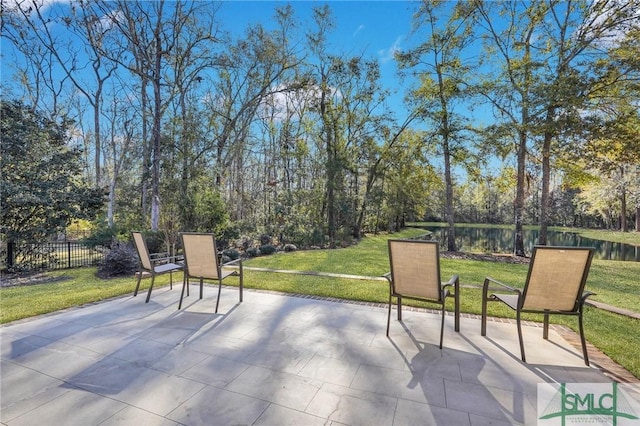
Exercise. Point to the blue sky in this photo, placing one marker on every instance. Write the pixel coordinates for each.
(375, 28)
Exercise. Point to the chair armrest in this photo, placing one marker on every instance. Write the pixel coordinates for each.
(166, 259)
(489, 280)
(454, 281)
(585, 295)
(159, 255)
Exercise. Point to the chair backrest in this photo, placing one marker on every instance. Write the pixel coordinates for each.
(556, 278)
(200, 255)
(141, 248)
(415, 268)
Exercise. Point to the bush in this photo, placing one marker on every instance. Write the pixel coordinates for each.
(121, 260)
(156, 242)
(101, 237)
(253, 252)
(290, 247)
(266, 239)
(244, 242)
(232, 254)
(267, 249)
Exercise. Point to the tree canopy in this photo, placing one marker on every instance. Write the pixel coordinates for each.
(513, 109)
(41, 176)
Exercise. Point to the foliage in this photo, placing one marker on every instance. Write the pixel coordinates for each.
(232, 254)
(253, 252)
(156, 242)
(267, 249)
(121, 260)
(272, 128)
(102, 236)
(40, 172)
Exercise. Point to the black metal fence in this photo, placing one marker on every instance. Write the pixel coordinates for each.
(50, 256)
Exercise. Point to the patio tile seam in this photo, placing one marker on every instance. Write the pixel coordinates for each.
(597, 357)
(601, 360)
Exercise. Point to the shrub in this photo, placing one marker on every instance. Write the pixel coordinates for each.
(232, 254)
(156, 242)
(245, 242)
(121, 260)
(290, 247)
(267, 249)
(101, 237)
(253, 252)
(266, 239)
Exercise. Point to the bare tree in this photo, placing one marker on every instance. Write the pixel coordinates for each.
(148, 36)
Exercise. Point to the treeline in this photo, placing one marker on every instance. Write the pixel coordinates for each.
(188, 126)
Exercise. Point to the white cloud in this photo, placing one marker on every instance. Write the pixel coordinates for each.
(388, 54)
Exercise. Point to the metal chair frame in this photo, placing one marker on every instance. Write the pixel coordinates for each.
(518, 300)
(444, 290)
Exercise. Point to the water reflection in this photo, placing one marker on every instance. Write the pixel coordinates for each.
(494, 240)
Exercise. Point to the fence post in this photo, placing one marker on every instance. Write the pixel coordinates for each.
(69, 255)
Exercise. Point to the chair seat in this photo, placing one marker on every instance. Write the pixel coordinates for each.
(167, 267)
(510, 299)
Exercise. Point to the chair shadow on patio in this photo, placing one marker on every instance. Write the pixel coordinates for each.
(464, 385)
(273, 359)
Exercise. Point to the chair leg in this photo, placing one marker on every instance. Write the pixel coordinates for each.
(389, 315)
(442, 326)
(185, 282)
(201, 286)
(241, 285)
(545, 326)
(153, 278)
(399, 308)
(456, 310)
(170, 280)
(520, 335)
(583, 340)
(135, 293)
(219, 290)
(483, 318)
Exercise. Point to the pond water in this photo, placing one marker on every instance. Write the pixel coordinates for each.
(493, 240)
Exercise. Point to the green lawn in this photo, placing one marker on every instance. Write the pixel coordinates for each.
(615, 283)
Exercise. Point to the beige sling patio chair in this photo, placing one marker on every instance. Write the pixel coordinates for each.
(415, 274)
(555, 285)
(201, 260)
(152, 264)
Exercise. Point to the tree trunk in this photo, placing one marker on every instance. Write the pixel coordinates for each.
(518, 249)
(157, 115)
(624, 227)
(451, 234)
(546, 179)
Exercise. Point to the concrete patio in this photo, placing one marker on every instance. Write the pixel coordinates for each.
(272, 360)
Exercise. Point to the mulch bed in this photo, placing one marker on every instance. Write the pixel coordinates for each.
(15, 280)
(495, 257)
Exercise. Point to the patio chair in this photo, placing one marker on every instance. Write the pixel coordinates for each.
(554, 285)
(153, 264)
(202, 261)
(415, 274)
